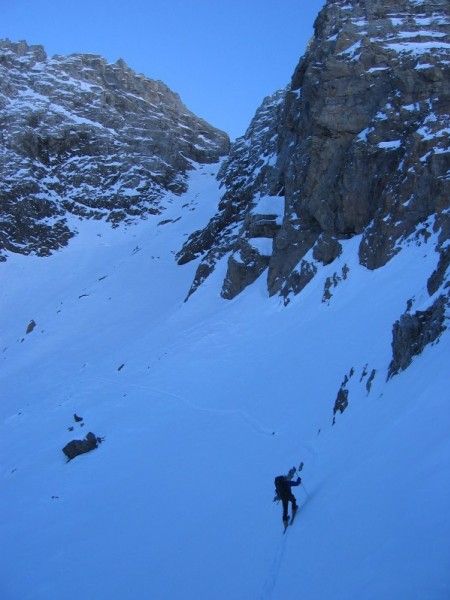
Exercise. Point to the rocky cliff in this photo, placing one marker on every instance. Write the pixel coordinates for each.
(357, 145)
(90, 139)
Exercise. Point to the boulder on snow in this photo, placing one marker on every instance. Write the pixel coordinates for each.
(76, 447)
(31, 326)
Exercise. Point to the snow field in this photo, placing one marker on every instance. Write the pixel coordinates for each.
(201, 404)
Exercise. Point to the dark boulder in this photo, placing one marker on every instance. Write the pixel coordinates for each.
(76, 447)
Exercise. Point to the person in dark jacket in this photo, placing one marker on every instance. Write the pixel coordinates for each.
(283, 487)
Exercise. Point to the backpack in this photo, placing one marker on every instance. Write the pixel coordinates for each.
(282, 488)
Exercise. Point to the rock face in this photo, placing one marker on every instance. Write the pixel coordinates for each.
(414, 331)
(83, 137)
(357, 145)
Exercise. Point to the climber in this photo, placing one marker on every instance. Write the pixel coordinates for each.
(284, 493)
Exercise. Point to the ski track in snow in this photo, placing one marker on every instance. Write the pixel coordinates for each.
(272, 577)
(238, 413)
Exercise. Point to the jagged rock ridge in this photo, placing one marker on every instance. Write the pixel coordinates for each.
(358, 144)
(83, 137)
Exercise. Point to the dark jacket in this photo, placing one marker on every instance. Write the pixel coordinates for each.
(284, 485)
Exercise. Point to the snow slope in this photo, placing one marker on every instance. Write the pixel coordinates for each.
(201, 404)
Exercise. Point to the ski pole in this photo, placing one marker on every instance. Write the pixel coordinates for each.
(297, 471)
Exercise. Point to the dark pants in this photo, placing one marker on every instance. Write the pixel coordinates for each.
(285, 501)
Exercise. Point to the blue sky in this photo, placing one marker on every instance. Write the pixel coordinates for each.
(221, 57)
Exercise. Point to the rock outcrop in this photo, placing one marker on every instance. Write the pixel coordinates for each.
(83, 137)
(357, 145)
(412, 332)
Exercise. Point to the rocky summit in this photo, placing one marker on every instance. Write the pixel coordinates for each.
(87, 139)
(356, 145)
